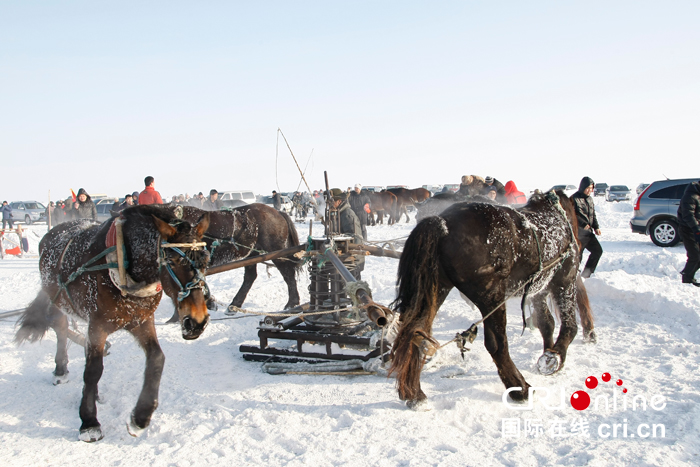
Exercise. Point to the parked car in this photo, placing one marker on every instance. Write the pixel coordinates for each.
(103, 211)
(569, 190)
(451, 187)
(28, 211)
(656, 210)
(287, 204)
(374, 189)
(599, 189)
(641, 187)
(618, 193)
(236, 198)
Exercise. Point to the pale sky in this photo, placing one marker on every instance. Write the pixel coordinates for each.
(99, 95)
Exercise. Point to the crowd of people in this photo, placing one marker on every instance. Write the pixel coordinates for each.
(353, 207)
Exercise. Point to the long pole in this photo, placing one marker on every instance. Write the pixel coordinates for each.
(49, 210)
(313, 201)
(255, 259)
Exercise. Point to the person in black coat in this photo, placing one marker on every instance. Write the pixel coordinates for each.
(84, 207)
(276, 200)
(360, 204)
(489, 182)
(588, 226)
(689, 222)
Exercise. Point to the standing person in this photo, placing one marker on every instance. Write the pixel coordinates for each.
(276, 200)
(135, 198)
(6, 214)
(360, 203)
(588, 226)
(348, 223)
(128, 201)
(500, 189)
(84, 208)
(689, 221)
(115, 205)
(513, 196)
(59, 214)
(212, 203)
(149, 195)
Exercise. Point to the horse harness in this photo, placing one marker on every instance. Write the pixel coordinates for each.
(110, 252)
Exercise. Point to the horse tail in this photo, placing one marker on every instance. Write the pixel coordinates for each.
(584, 307)
(35, 320)
(418, 287)
(292, 237)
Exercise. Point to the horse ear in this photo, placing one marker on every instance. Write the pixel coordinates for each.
(203, 225)
(166, 230)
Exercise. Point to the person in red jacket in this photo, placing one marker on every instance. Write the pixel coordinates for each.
(513, 196)
(149, 195)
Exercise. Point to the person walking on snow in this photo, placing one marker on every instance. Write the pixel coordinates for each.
(588, 227)
(84, 207)
(689, 222)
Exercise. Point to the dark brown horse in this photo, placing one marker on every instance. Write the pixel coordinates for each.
(249, 231)
(77, 265)
(491, 253)
(405, 198)
(382, 203)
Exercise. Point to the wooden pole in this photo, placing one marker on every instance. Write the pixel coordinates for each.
(255, 259)
(48, 208)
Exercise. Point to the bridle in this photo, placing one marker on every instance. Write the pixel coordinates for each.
(198, 281)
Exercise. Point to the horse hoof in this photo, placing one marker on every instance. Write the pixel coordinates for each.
(60, 379)
(133, 429)
(211, 305)
(590, 337)
(549, 363)
(90, 435)
(419, 406)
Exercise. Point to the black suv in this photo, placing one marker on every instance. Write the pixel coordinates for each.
(655, 211)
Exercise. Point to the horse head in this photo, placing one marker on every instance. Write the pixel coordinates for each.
(184, 259)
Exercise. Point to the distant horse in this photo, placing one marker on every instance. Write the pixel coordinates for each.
(406, 197)
(491, 253)
(249, 231)
(382, 202)
(77, 266)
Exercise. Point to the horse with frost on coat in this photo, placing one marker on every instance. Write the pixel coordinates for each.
(78, 260)
(491, 253)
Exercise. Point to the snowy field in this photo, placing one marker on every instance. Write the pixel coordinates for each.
(217, 409)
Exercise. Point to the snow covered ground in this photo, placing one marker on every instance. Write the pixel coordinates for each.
(217, 409)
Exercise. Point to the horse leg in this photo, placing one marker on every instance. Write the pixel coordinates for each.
(496, 342)
(554, 357)
(404, 210)
(585, 313)
(543, 319)
(251, 273)
(60, 326)
(147, 403)
(288, 271)
(90, 429)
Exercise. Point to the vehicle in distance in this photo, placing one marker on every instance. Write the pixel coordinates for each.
(569, 190)
(618, 193)
(599, 189)
(28, 211)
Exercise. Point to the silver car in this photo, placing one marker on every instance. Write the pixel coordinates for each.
(618, 193)
(28, 211)
(656, 210)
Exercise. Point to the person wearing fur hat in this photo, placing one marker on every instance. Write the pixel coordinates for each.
(84, 208)
(588, 227)
(361, 205)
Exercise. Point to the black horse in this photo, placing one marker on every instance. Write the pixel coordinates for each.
(78, 263)
(249, 231)
(491, 253)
